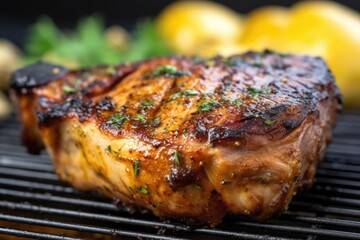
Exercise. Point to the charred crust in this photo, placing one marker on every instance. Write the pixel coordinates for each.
(180, 177)
(84, 109)
(36, 75)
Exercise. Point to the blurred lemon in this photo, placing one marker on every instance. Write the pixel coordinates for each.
(9, 61)
(220, 49)
(264, 27)
(5, 106)
(332, 31)
(190, 26)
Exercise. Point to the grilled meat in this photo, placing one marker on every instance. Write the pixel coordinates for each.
(187, 138)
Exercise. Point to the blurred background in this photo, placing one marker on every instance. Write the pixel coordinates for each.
(86, 33)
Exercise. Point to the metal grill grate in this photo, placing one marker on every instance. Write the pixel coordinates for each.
(35, 204)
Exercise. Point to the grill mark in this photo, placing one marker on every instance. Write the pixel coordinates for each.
(166, 96)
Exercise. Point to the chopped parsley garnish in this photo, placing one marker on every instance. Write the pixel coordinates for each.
(229, 62)
(267, 91)
(237, 102)
(190, 92)
(198, 186)
(174, 96)
(186, 134)
(187, 92)
(258, 64)
(116, 153)
(155, 122)
(136, 167)
(210, 63)
(262, 181)
(143, 190)
(196, 59)
(255, 92)
(110, 71)
(296, 179)
(140, 117)
(146, 104)
(208, 105)
(233, 61)
(117, 120)
(224, 89)
(68, 89)
(167, 70)
(177, 157)
(108, 149)
(269, 121)
(225, 98)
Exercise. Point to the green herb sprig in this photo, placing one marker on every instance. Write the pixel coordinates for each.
(177, 157)
(136, 168)
(208, 105)
(168, 71)
(155, 122)
(117, 120)
(143, 190)
(68, 89)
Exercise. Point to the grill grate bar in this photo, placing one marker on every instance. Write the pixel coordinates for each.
(328, 189)
(337, 182)
(107, 206)
(29, 174)
(93, 229)
(322, 220)
(326, 210)
(26, 165)
(31, 158)
(333, 158)
(171, 226)
(24, 155)
(92, 216)
(35, 185)
(337, 200)
(347, 141)
(338, 174)
(340, 166)
(50, 198)
(29, 234)
(237, 234)
(168, 226)
(317, 231)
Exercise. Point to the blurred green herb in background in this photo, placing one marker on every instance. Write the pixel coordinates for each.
(87, 44)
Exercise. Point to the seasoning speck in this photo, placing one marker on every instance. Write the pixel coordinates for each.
(167, 70)
(143, 190)
(108, 149)
(117, 120)
(68, 89)
(177, 157)
(136, 167)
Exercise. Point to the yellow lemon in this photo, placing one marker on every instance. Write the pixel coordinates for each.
(332, 31)
(264, 27)
(191, 25)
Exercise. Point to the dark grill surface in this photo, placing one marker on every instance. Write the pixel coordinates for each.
(35, 204)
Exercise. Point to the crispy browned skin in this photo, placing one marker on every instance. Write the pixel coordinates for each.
(234, 135)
